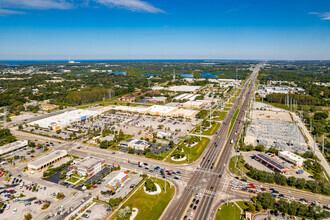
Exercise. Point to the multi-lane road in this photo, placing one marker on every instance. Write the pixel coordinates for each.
(215, 160)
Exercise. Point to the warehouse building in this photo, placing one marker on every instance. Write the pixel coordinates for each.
(8, 148)
(88, 166)
(292, 158)
(47, 160)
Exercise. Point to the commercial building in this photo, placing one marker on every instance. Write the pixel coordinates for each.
(184, 88)
(117, 181)
(159, 110)
(157, 99)
(135, 144)
(186, 96)
(271, 162)
(195, 104)
(61, 120)
(88, 166)
(8, 148)
(164, 135)
(47, 160)
(292, 158)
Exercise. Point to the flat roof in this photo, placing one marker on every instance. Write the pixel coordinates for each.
(13, 146)
(292, 156)
(48, 158)
(88, 162)
(271, 162)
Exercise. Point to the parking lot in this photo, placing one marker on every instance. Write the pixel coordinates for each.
(25, 196)
(96, 211)
(249, 158)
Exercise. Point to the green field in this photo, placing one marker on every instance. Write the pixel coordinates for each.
(220, 117)
(151, 206)
(210, 131)
(228, 212)
(194, 152)
(239, 166)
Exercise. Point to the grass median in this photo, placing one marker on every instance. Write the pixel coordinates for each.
(194, 152)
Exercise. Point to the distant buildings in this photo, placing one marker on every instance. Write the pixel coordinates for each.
(186, 96)
(267, 89)
(184, 88)
(159, 110)
(47, 160)
(88, 166)
(196, 104)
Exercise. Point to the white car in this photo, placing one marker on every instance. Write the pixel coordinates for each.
(192, 213)
(14, 211)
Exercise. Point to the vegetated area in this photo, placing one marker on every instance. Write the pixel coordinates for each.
(191, 146)
(150, 207)
(6, 137)
(320, 185)
(313, 103)
(265, 201)
(228, 211)
(74, 84)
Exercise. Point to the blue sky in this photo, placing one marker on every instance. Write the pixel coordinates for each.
(164, 29)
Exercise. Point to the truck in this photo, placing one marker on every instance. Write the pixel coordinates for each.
(300, 171)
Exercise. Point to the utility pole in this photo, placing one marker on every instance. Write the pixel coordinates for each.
(323, 144)
(210, 116)
(5, 117)
(314, 144)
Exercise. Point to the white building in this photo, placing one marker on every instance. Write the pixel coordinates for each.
(47, 160)
(67, 118)
(88, 166)
(184, 88)
(11, 147)
(292, 158)
(135, 144)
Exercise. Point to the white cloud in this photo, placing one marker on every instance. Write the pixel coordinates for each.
(322, 15)
(5, 12)
(133, 5)
(36, 4)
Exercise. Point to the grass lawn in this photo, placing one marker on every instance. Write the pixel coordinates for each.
(228, 212)
(210, 131)
(151, 206)
(220, 117)
(194, 152)
(72, 179)
(233, 121)
(239, 165)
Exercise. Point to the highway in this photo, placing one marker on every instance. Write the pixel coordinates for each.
(216, 159)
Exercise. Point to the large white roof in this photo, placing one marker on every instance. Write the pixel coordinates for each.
(65, 118)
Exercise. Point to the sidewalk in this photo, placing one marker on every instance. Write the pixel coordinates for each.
(310, 142)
